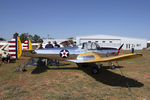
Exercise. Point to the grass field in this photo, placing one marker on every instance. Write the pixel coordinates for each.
(69, 83)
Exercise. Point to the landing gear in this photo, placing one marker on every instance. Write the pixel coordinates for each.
(82, 65)
(95, 70)
(112, 67)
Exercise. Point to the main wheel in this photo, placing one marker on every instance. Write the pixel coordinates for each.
(95, 70)
(113, 67)
(82, 65)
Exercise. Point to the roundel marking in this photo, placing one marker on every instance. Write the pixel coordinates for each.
(64, 53)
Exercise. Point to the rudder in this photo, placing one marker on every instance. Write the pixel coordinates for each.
(15, 48)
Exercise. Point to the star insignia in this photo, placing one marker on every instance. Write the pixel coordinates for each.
(64, 53)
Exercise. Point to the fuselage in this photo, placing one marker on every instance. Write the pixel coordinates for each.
(72, 52)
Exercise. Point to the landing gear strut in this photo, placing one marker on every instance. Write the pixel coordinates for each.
(94, 68)
(112, 66)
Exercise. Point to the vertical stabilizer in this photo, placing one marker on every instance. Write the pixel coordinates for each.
(30, 45)
(27, 45)
(15, 48)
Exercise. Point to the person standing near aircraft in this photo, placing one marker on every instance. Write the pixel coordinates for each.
(56, 45)
(40, 46)
(89, 44)
(74, 43)
(49, 45)
(56, 62)
(132, 48)
(5, 57)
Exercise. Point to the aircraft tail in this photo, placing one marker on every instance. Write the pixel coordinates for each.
(27, 45)
(15, 48)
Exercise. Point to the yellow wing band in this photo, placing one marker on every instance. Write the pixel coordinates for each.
(114, 58)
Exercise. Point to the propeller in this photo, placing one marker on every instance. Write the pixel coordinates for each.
(120, 48)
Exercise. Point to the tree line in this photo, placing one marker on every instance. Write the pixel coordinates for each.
(2, 39)
(34, 38)
(26, 36)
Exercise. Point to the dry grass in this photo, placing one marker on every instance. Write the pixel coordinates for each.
(69, 83)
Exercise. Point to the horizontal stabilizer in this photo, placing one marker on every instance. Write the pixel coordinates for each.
(15, 48)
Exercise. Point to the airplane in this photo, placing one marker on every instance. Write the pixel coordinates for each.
(4, 48)
(14, 47)
(89, 54)
(64, 53)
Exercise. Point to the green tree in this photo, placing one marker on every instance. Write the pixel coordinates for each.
(24, 37)
(2, 39)
(16, 34)
(30, 37)
(36, 38)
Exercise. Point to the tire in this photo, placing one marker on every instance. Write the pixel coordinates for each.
(95, 70)
(113, 67)
(82, 65)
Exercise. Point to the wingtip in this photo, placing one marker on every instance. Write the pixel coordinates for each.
(140, 54)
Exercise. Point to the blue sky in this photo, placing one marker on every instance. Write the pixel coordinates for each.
(70, 18)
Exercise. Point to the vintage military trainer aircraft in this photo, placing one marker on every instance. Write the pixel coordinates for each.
(13, 48)
(88, 54)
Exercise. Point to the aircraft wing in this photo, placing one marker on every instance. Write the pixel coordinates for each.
(107, 59)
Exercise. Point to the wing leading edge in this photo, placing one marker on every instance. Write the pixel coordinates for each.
(107, 59)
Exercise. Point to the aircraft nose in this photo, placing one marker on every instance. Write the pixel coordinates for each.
(118, 51)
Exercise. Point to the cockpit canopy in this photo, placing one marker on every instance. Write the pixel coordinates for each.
(95, 46)
(90, 46)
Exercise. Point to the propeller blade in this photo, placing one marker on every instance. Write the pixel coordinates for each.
(120, 47)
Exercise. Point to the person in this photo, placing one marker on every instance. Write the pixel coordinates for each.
(40, 46)
(5, 57)
(49, 45)
(89, 44)
(132, 48)
(74, 43)
(56, 62)
(56, 45)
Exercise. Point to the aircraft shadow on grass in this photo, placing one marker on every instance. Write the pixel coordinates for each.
(113, 79)
(104, 76)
